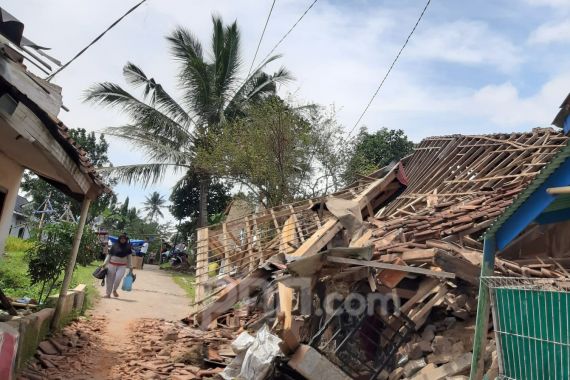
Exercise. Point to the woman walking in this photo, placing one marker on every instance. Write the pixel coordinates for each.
(116, 262)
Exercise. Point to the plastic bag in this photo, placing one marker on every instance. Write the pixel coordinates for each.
(128, 282)
(257, 361)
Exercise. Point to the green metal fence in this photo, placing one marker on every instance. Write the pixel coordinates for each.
(532, 326)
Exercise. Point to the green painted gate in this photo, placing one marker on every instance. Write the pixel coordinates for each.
(532, 326)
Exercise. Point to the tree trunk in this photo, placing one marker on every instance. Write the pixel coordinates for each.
(203, 207)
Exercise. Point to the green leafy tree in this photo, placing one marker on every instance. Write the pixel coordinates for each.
(279, 153)
(185, 200)
(49, 256)
(169, 131)
(372, 151)
(154, 204)
(39, 189)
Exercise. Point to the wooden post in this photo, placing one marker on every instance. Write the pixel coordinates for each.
(201, 263)
(483, 306)
(249, 241)
(226, 245)
(70, 264)
(258, 240)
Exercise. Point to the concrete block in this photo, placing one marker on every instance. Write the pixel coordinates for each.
(32, 330)
(314, 366)
(8, 350)
(68, 303)
(456, 367)
(79, 297)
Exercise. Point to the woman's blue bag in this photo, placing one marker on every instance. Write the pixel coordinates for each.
(128, 282)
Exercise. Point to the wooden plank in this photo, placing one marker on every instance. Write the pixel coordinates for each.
(420, 317)
(423, 255)
(249, 242)
(230, 295)
(492, 178)
(362, 240)
(290, 342)
(408, 269)
(201, 263)
(297, 224)
(226, 243)
(425, 288)
(375, 188)
(462, 268)
(320, 238)
(288, 236)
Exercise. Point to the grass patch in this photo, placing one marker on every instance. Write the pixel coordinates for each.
(14, 244)
(185, 281)
(15, 281)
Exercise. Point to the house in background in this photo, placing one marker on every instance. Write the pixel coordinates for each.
(19, 227)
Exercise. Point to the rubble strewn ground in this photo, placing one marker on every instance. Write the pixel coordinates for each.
(75, 353)
(155, 349)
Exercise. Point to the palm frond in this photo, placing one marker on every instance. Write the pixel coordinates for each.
(143, 174)
(258, 86)
(195, 75)
(226, 63)
(143, 115)
(154, 149)
(159, 98)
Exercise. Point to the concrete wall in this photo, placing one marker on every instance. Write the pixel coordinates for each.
(10, 177)
(19, 224)
(32, 329)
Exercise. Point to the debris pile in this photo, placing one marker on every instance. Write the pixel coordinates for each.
(381, 280)
(64, 356)
(171, 350)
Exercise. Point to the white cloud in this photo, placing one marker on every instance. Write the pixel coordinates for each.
(465, 42)
(503, 104)
(551, 33)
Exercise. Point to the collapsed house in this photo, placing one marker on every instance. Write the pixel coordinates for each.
(380, 280)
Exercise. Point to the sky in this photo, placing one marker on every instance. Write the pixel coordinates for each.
(471, 67)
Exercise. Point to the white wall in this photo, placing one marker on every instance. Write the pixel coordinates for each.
(10, 177)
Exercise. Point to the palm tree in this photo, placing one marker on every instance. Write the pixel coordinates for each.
(172, 133)
(153, 204)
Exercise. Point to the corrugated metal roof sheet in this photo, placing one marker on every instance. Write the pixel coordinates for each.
(556, 162)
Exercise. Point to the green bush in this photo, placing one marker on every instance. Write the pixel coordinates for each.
(49, 257)
(14, 244)
(14, 279)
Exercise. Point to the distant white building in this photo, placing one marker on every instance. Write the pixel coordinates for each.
(19, 226)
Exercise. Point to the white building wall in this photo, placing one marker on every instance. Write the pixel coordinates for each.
(10, 177)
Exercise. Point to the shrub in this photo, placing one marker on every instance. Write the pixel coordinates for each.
(48, 258)
(14, 244)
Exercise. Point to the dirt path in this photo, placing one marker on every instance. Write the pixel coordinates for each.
(154, 295)
(106, 336)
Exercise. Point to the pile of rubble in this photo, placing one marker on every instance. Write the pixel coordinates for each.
(68, 355)
(171, 350)
(381, 280)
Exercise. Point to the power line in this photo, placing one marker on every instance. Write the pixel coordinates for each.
(248, 77)
(288, 32)
(95, 40)
(261, 38)
(390, 69)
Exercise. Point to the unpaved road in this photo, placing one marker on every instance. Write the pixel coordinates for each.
(106, 336)
(154, 295)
